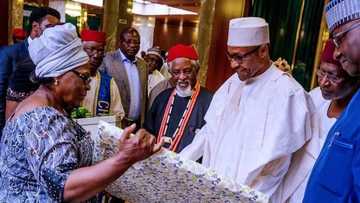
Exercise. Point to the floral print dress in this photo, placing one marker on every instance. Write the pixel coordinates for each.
(38, 151)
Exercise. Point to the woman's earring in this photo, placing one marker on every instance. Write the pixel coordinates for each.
(56, 82)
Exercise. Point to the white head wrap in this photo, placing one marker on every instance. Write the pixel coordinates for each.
(57, 51)
(339, 12)
(248, 31)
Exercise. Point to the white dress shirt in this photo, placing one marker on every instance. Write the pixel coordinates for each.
(134, 85)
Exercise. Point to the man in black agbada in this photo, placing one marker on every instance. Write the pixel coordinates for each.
(177, 113)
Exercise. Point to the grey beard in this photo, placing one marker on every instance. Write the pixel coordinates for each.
(184, 92)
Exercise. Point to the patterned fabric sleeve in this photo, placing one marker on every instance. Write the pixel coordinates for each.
(52, 151)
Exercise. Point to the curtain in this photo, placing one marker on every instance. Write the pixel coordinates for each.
(284, 17)
(306, 51)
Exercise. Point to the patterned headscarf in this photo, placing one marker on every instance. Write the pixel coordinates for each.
(339, 12)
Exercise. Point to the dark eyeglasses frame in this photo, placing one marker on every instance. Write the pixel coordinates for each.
(86, 79)
(239, 58)
(338, 36)
(334, 79)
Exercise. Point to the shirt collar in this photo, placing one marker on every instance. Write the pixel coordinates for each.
(125, 59)
(29, 40)
(262, 77)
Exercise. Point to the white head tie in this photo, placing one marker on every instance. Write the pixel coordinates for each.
(57, 51)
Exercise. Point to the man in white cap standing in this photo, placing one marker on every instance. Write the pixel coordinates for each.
(336, 174)
(154, 63)
(258, 117)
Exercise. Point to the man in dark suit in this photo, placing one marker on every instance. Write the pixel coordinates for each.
(17, 55)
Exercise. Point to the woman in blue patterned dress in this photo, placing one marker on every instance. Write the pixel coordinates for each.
(44, 155)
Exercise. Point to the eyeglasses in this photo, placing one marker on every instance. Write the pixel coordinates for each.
(85, 78)
(239, 58)
(187, 72)
(330, 77)
(337, 38)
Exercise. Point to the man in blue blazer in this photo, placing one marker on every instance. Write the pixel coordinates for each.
(335, 177)
(14, 82)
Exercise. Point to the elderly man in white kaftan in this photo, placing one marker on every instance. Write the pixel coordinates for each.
(258, 118)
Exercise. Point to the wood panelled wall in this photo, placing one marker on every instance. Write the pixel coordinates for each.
(218, 67)
(168, 33)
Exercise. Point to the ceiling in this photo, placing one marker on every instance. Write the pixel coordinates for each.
(191, 5)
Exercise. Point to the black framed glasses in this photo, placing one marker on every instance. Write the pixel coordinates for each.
(338, 37)
(85, 78)
(239, 58)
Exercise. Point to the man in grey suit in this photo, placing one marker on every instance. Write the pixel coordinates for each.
(130, 74)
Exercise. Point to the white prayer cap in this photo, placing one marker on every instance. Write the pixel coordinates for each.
(57, 51)
(155, 51)
(339, 12)
(248, 31)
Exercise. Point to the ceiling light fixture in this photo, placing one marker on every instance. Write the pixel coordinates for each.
(146, 8)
